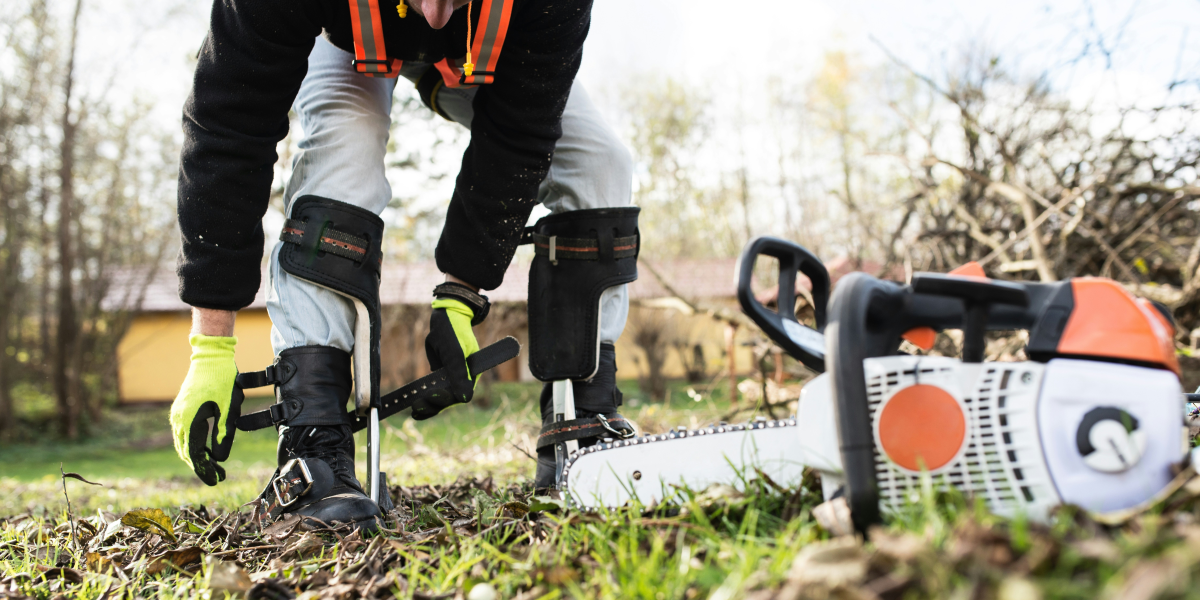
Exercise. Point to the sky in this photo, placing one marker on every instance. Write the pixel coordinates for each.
(727, 50)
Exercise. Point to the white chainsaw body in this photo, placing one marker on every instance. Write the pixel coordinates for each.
(1019, 446)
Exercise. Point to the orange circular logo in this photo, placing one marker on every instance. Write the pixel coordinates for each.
(922, 427)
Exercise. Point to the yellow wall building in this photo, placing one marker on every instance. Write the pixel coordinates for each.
(154, 354)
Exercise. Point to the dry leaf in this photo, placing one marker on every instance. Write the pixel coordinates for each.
(80, 478)
(178, 558)
(835, 562)
(111, 530)
(282, 528)
(518, 509)
(834, 516)
(226, 577)
(150, 520)
(98, 562)
(61, 573)
(903, 546)
(309, 543)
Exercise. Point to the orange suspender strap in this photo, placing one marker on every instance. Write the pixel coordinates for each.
(492, 28)
(370, 54)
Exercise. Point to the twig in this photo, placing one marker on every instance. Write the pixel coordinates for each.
(514, 445)
(1021, 198)
(1037, 222)
(70, 519)
(1133, 237)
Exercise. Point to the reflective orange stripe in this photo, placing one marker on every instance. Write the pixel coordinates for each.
(489, 40)
(364, 20)
(491, 31)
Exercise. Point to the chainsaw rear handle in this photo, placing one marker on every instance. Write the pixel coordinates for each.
(801, 342)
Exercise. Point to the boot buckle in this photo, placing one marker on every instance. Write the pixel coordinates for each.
(296, 482)
(622, 434)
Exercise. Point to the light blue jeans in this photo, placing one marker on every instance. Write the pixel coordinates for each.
(345, 117)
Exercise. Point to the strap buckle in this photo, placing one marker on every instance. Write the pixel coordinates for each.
(282, 412)
(623, 434)
(292, 482)
(387, 65)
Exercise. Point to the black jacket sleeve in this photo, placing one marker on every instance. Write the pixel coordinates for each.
(250, 68)
(518, 120)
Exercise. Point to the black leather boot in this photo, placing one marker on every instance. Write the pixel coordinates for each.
(315, 478)
(596, 418)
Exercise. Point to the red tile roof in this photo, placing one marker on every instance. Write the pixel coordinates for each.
(411, 283)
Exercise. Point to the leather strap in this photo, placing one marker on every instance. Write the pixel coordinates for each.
(332, 241)
(587, 427)
(404, 397)
(563, 248)
(392, 403)
(480, 306)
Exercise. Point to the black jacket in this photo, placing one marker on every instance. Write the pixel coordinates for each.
(250, 68)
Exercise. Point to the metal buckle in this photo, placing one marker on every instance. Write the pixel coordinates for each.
(553, 249)
(623, 434)
(285, 497)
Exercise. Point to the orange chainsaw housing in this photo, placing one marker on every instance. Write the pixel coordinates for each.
(1107, 321)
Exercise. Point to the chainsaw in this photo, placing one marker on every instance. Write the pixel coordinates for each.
(1094, 417)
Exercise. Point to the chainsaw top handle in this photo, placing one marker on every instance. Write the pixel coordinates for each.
(801, 342)
(978, 295)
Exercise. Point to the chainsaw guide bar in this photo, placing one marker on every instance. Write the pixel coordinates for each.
(613, 472)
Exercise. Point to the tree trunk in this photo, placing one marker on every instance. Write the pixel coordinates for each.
(66, 387)
(731, 361)
(6, 404)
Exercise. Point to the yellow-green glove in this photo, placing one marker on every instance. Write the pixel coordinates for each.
(209, 392)
(449, 343)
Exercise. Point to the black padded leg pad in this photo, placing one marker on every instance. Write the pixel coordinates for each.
(564, 298)
(318, 251)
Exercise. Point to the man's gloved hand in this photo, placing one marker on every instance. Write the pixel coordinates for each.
(449, 343)
(209, 392)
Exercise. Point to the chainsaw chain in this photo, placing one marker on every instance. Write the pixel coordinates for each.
(664, 437)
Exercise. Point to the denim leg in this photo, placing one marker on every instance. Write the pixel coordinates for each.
(345, 117)
(591, 168)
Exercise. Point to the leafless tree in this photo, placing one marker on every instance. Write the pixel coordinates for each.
(86, 189)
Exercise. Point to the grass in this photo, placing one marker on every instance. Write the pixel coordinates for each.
(467, 525)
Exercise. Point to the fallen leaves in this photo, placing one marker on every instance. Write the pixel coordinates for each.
(832, 563)
(177, 559)
(70, 575)
(150, 520)
(834, 516)
(228, 577)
